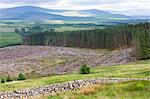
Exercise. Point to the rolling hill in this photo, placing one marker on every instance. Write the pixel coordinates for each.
(33, 13)
(37, 13)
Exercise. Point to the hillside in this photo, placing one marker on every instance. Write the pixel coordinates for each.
(51, 71)
(74, 49)
(41, 60)
(60, 65)
(126, 78)
(36, 13)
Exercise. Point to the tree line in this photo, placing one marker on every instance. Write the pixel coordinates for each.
(113, 37)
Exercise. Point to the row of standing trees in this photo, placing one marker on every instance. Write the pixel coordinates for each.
(120, 36)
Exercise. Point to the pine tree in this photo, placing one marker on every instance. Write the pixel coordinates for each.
(2, 80)
(8, 79)
(21, 77)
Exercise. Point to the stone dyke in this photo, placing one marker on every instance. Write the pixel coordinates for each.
(65, 86)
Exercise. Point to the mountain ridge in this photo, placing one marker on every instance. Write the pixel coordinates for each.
(38, 13)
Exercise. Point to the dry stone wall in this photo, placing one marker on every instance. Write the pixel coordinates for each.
(66, 86)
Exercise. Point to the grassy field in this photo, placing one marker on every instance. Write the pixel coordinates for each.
(133, 70)
(9, 38)
(67, 28)
(127, 90)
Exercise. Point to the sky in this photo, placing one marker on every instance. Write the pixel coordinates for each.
(127, 7)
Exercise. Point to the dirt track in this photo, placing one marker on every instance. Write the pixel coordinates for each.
(45, 60)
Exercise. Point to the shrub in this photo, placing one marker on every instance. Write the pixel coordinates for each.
(135, 87)
(2, 80)
(139, 87)
(84, 69)
(8, 79)
(21, 77)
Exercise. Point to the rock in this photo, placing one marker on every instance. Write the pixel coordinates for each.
(66, 86)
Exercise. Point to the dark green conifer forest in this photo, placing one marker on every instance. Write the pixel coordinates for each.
(112, 37)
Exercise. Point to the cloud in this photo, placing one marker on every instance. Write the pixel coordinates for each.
(84, 2)
(128, 7)
(25, 1)
(91, 2)
(4, 5)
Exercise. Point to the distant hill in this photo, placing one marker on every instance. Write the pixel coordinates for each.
(37, 13)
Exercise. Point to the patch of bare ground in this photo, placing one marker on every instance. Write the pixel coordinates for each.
(47, 60)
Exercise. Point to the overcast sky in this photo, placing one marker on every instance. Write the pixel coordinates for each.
(128, 7)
